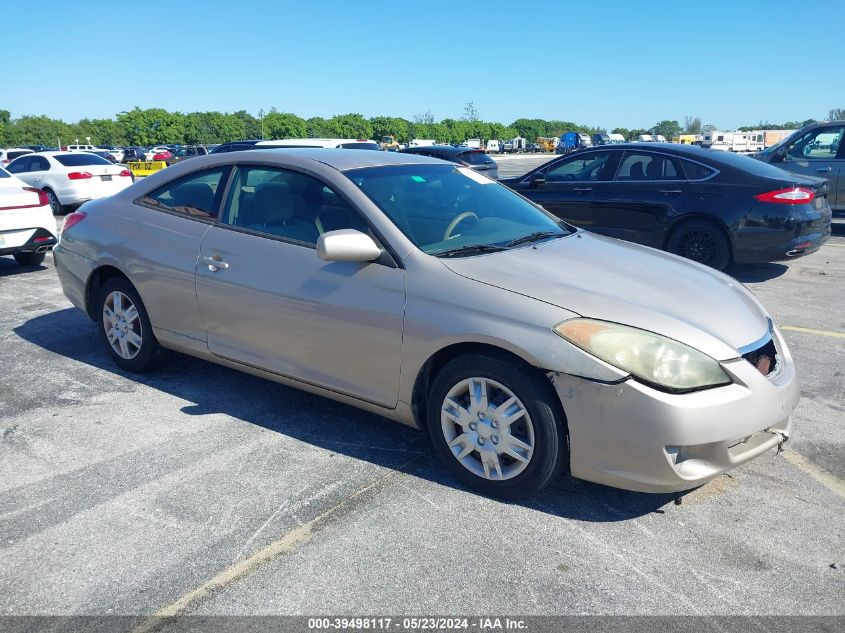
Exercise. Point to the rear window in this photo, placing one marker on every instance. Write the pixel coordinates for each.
(475, 158)
(78, 160)
(746, 163)
(359, 146)
(13, 155)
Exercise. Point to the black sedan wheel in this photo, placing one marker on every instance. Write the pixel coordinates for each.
(701, 242)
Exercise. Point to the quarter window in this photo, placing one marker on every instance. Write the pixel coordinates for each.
(638, 166)
(695, 171)
(590, 167)
(194, 195)
(38, 163)
(286, 204)
(822, 144)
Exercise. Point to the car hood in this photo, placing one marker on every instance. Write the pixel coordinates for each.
(612, 280)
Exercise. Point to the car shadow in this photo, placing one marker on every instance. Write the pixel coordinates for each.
(333, 426)
(752, 273)
(9, 266)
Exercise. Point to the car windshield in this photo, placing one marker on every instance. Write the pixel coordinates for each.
(442, 208)
(359, 145)
(78, 160)
(475, 158)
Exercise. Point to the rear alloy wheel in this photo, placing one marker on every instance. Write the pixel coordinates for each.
(701, 242)
(125, 327)
(55, 206)
(30, 258)
(495, 427)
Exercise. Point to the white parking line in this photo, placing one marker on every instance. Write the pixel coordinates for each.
(809, 330)
(825, 478)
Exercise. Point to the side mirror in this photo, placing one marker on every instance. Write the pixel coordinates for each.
(347, 245)
(538, 179)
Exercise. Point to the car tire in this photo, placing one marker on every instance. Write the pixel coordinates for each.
(55, 206)
(702, 242)
(136, 352)
(30, 258)
(468, 435)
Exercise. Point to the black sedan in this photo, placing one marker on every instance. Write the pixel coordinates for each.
(475, 159)
(710, 206)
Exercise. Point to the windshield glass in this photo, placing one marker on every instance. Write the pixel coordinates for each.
(441, 207)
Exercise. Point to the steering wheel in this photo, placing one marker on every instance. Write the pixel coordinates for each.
(447, 234)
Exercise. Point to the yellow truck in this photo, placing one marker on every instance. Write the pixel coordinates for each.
(546, 144)
(389, 143)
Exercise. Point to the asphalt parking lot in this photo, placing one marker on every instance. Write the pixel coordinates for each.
(200, 490)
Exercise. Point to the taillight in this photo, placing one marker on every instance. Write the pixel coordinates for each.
(72, 220)
(79, 175)
(791, 195)
(43, 200)
(125, 173)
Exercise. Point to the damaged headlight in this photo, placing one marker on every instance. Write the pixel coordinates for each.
(648, 356)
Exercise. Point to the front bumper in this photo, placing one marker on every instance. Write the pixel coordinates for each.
(631, 436)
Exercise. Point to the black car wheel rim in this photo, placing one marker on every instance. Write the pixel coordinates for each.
(54, 202)
(699, 246)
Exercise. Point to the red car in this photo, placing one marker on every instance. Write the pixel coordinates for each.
(162, 156)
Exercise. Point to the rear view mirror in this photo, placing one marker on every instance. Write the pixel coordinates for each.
(347, 245)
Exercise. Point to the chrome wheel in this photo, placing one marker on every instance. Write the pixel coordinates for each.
(122, 325)
(487, 429)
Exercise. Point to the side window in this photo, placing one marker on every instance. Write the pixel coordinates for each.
(696, 171)
(820, 144)
(638, 166)
(38, 163)
(18, 166)
(286, 204)
(194, 195)
(584, 168)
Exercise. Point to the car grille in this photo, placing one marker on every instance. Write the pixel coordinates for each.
(764, 358)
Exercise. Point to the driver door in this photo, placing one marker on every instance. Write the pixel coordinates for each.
(569, 190)
(268, 301)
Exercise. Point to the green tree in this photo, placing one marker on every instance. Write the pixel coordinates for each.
(470, 112)
(424, 117)
(251, 125)
(155, 125)
(692, 125)
(386, 125)
(668, 129)
(5, 118)
(316, 127)
(284, 125)
(349, 126)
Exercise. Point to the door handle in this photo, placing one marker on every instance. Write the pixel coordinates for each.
(668, 191)
(214, 264)
(823, 170)
(582, 189)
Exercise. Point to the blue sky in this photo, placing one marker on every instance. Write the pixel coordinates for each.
(608, 63)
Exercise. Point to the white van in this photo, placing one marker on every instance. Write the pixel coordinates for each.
(493, 146)
(472, 143)
(645, 138)
(615, 138)
(330, 143)
(715, 139)
(81, 148)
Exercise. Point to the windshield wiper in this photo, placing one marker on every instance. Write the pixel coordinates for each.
(470, 249)
(536, 236)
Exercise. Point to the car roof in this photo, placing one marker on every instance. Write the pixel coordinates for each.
(346, 159)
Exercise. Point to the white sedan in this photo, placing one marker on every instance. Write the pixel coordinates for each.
(27, 226)
(70, 178)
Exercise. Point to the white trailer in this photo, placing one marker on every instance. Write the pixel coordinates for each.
(718, 140)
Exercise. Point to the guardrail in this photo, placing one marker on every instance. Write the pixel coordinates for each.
(147, 167)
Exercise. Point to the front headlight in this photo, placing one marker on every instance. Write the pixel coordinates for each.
(648, 356)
